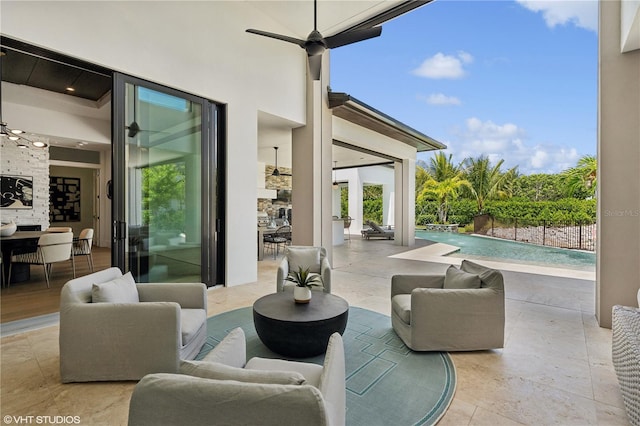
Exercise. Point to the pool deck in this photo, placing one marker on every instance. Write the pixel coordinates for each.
(437, 253)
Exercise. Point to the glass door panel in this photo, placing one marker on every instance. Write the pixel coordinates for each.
(162, 186)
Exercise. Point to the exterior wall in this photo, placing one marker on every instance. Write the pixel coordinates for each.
(618, 236)
(208, 54)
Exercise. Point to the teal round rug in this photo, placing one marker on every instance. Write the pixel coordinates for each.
(387, 383)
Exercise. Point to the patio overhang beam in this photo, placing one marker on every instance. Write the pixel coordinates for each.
(380, 159)
(351, 109)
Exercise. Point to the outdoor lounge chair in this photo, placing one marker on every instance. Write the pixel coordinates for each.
(375, 231)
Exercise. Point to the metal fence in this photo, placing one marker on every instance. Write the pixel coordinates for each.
(571, 235)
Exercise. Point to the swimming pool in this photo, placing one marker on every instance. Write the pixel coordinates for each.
(503, 249)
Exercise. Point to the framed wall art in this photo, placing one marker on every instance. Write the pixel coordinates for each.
(17, 192)
(64, 199)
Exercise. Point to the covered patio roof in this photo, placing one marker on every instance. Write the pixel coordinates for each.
(359, 113)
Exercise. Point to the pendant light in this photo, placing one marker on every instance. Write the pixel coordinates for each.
(336, 185)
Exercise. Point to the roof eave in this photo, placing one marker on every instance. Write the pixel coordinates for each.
(351, 109)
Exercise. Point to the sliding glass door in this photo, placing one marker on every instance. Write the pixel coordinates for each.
(163, 183)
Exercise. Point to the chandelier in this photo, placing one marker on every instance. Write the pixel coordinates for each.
(18, 137)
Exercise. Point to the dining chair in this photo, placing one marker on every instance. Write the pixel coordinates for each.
(59, 229)
(347, 225)
(82, 247)
(282, 236)
(52, 247)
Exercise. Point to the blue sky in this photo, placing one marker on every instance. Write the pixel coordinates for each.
(513, 80)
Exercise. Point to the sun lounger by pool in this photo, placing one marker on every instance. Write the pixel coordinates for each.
(375, 231)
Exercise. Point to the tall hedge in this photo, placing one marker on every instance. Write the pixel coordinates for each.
(462, 211)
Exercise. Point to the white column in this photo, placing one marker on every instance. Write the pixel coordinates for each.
(355, 201)
(336, 205)
(618, 222)
(241, 232)
(405, 202)
(388, 204)
(312, 200)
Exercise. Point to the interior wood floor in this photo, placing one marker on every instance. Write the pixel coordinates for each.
(32, 298)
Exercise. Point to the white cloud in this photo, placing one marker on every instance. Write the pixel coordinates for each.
(440, 99)
(444, 66)
(508, 141)
(581, 13)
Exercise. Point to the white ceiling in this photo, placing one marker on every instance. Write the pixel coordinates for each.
(333, 16)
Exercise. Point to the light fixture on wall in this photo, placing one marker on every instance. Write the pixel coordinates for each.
(336, 185)
(16, 135)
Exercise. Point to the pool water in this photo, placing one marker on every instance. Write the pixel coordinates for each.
(503, 249)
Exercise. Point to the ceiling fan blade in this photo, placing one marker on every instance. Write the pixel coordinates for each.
(315, 66)
(278, 37)
(354, 36)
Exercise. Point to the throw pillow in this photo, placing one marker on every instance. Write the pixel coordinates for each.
(455, 278)
(230, 351)
(120, 290)
(217, 371)
(490, 278)
(304, 257)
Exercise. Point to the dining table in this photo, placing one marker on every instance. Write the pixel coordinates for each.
(19, 242)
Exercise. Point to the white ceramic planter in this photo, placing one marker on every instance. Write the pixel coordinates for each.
(301, 294)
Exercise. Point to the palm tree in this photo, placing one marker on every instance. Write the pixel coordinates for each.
(583, 177)
(488, 182)
(441, 167)
(444, 192)
(442, 180)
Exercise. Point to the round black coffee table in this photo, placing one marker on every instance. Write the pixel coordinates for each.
(299, 330)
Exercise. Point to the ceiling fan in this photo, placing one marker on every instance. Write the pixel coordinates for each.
(134, 127)
(277, 172)
(316, 44)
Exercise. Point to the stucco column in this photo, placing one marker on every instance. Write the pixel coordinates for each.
(355, 201)
(241, 232)
(312, 167)
(618, 223)
(405, 202)
(388, 204)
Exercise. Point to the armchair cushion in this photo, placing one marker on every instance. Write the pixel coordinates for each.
(401, 305)
(456, 278)
(191, 321)
(119, 290)
(304, 257)
(217, 371)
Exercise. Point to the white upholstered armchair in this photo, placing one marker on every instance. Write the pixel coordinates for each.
(114, 329)
(314, 258)
(462, 310)
(266, 392)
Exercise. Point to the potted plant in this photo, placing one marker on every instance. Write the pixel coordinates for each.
(303, 280)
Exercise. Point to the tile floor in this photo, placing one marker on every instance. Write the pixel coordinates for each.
(555, 367)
